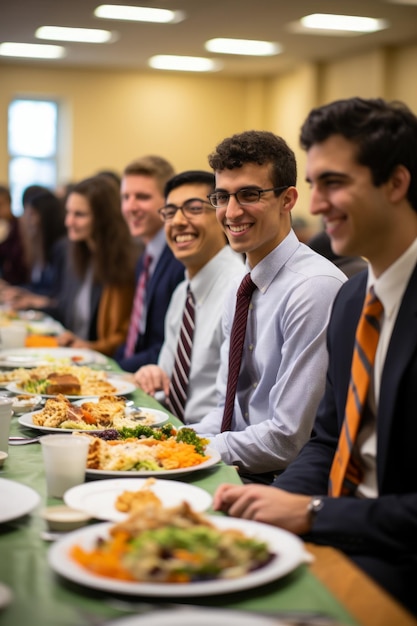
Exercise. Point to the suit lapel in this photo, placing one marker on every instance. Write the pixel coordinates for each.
(401, 348)
(158, 273)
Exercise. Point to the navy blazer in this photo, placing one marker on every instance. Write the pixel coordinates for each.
(166, 276)
(381, 531)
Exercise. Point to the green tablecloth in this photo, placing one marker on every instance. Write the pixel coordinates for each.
(43, 599)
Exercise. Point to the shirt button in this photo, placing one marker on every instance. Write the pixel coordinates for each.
(251, 347)
(255, 385)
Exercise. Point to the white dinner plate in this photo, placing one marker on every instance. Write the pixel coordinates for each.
(27, 420)
(98, 497)
(155, 416)
(288, 548)
(16, 500)
(191, 616)
(33, 357)
(214, 458)
(123, 387)
(45, 327)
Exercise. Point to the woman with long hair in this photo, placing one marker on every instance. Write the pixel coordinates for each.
(95, 300)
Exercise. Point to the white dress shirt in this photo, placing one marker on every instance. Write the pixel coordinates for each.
(284, 359)
(209, 287)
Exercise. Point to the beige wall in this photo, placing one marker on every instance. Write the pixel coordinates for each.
(111, 117)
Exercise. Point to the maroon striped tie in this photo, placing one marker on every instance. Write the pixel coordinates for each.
(178, 390)
(237, 338)
(138, 303)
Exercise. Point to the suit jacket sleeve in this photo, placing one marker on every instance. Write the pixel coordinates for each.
(387, 525)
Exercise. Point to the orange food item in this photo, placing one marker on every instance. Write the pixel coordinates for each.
(87, 417)
(41, 341)
(106, 563)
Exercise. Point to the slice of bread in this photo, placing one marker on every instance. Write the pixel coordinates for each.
(67, 384)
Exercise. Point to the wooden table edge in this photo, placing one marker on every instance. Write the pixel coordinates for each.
(363, 598)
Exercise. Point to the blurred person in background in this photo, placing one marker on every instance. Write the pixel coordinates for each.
(97, 285)
(302, 228)
(44, 233)
(13, 266)
(349, 265)
(158, 272)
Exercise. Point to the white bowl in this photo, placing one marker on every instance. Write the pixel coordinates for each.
(24, 403)
(62, 518)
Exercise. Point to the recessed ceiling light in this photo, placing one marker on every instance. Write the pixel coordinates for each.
(243, 46)
(31, 50)
(85, 35)
(184, 63)
(329, 24)
(138, 14)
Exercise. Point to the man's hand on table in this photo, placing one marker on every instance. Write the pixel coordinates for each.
(265, 504)
(151, 378)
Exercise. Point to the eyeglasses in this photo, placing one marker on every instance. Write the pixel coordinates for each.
(189, 209)
(249, 195)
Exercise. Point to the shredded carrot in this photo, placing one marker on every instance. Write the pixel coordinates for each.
(105, 562)
(88, 417)
(175, 455)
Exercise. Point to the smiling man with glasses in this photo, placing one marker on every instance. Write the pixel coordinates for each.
(260, 425)
(190, 357)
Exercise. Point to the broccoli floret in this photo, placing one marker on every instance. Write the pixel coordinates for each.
(188, 435)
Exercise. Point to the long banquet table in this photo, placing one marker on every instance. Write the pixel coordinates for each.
(41, 598)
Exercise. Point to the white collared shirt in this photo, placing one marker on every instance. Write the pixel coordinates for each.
(209, 287)
(284, 361)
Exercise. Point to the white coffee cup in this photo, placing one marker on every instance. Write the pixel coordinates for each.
(13, 336)
(5, 420)
(65, 462)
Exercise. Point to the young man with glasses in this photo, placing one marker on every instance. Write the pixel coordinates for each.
(196, 239)
(282, 372)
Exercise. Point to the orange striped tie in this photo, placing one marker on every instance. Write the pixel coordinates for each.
(345, 474)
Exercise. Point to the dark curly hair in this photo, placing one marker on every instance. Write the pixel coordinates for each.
(385, 135)
(256, 146)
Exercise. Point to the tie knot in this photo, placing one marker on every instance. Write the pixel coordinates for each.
(147, 261)
(247, 287)
(373, 305)
(190, 295)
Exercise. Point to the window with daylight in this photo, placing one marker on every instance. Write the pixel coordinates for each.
(32, 146)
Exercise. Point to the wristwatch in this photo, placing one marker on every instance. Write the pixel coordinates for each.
(314, 506)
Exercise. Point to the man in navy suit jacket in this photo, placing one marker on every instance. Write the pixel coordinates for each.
(362, 169)
(142, 193)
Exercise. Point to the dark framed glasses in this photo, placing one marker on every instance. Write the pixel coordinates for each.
(190, 208)
(248, 195)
